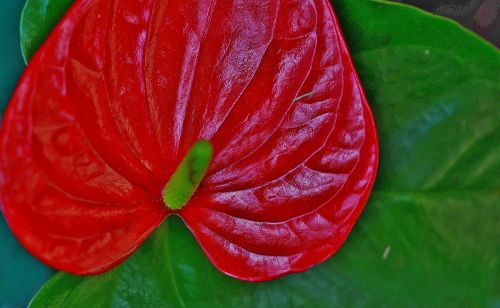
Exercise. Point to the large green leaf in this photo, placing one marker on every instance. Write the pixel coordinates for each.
(435, 92)
(429, 235)
(38, 18)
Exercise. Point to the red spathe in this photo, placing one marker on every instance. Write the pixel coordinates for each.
(121, 90)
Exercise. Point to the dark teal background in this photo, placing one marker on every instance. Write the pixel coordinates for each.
(20, 274)
(10, 54)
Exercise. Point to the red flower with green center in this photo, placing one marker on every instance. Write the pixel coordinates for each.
(246, 118)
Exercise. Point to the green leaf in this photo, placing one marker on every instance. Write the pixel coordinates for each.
(429, 235)
(434, 88)
(37, 20)
(188, 175)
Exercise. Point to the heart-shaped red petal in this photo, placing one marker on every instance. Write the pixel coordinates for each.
(121, 90)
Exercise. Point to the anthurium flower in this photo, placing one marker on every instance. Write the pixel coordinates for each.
(246, 118)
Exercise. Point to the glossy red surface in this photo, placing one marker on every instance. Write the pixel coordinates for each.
(121, 90)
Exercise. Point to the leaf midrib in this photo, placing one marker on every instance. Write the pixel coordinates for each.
(170, 269)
